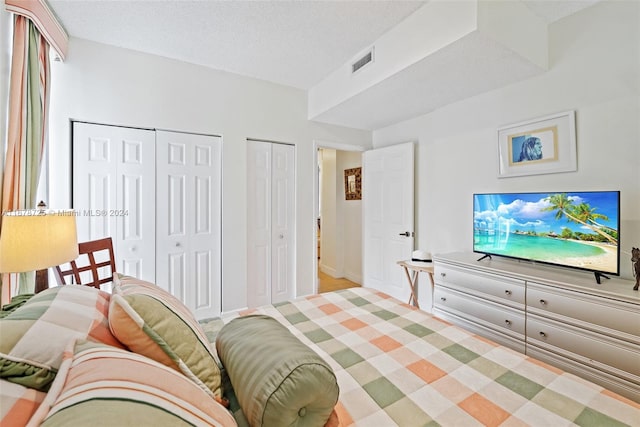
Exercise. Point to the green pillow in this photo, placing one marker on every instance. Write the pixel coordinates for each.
(152, 322)
(277, 379)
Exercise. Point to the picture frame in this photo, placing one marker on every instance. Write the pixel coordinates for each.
(539, 146)
(353, 184)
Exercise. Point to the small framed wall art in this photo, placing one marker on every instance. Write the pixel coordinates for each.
(539, 146)
(353, 184)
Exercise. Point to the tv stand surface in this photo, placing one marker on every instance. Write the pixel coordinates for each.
(560, 316)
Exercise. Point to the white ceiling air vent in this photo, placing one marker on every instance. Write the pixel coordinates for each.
(367, 58)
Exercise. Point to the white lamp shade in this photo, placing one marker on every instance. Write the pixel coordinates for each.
(34, 240)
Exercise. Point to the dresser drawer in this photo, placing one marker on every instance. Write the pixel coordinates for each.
(498, 288)
(613, 315)
(589, 347)
(501, 318)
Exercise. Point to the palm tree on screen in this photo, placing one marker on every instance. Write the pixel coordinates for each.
(565, 207)
(586, 213)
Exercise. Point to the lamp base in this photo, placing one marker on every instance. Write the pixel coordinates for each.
(42, 280)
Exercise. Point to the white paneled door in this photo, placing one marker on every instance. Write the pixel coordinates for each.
(388, 217)
(114, 192)
(189, 219)
(158, 195)
(270, 222)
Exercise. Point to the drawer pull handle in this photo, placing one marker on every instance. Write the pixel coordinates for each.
(443, 274)
(543, 302)
(443, 299)
(508, 292)
(543, 335)
(508, 322)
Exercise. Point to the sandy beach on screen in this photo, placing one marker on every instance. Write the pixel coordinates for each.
(602, 262)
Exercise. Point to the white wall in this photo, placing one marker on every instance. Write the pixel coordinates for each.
(594, 70)
(350, 212)
(117, 86)
(329, 245)
(341, 236)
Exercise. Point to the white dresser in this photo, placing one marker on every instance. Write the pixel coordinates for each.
(557, 315)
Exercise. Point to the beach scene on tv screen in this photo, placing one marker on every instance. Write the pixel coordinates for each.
(571, 229)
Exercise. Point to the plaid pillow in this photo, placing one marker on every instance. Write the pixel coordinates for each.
(18, 403)
(102, 385)
(35, 335)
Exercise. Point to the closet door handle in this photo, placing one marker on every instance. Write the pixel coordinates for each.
(543, 334)
(508, 322)
(405, 234)
(507, 291)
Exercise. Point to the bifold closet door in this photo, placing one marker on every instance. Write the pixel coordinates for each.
(188, 253)
(114, 192)
(270, 222)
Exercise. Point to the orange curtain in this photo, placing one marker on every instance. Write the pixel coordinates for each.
(27, 129)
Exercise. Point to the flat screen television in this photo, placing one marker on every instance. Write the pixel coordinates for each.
(569, 229)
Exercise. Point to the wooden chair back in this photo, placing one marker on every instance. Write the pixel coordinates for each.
(94, 257)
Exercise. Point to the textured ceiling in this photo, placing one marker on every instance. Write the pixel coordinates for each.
(298, 43)
(295, 43)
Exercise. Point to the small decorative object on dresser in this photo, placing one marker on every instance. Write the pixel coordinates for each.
(635, 259)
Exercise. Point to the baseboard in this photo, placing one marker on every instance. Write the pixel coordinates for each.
(330, 271)
(356, 278)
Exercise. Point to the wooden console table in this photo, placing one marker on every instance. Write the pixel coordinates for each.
(416, 267)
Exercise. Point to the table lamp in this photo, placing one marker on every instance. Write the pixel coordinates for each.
(36, 240)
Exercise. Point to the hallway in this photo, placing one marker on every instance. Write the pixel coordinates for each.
(327, 283)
